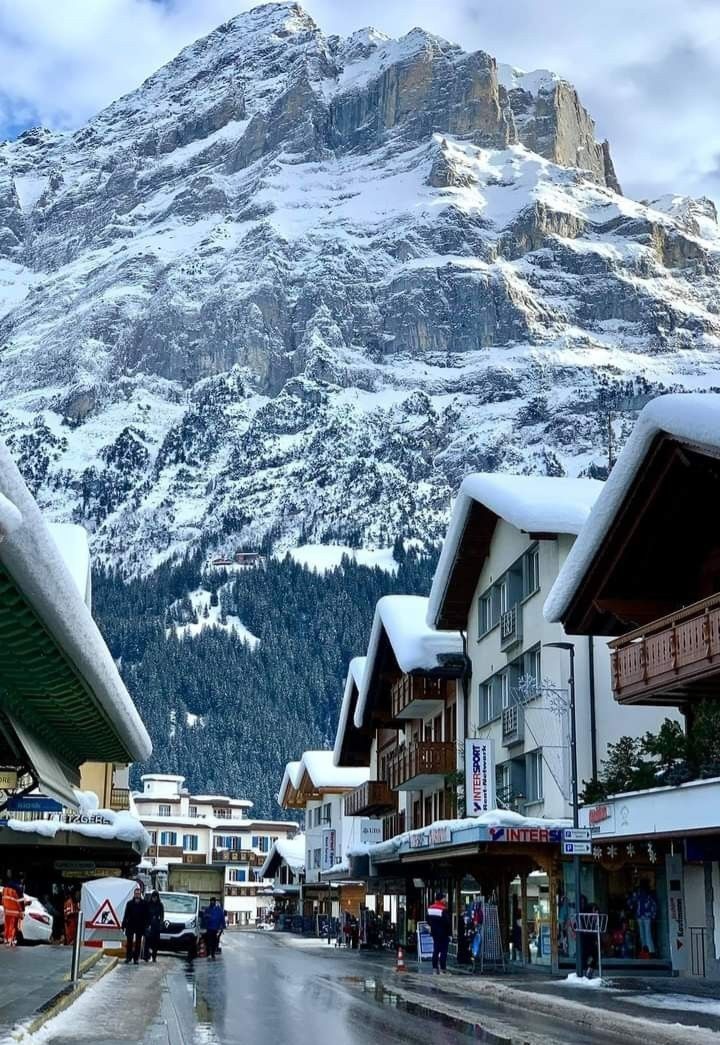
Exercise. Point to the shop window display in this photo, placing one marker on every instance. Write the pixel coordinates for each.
(632, 893)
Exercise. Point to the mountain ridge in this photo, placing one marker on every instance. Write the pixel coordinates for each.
(296, 286)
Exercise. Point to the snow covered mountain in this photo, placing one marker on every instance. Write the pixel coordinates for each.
(299, 285)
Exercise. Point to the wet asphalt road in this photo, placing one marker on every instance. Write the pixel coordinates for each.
(263, 990)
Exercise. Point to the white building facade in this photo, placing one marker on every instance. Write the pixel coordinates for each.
(209, 831)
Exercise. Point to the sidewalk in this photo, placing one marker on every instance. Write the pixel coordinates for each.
(31, 978)
(621, 1004)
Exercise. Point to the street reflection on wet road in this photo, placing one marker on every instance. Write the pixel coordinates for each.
(268, 991)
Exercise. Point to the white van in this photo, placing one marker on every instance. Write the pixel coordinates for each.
(180, 928)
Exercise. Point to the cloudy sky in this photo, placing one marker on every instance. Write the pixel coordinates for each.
(647, 70)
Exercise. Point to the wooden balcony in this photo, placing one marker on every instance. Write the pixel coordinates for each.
(414, 696)
(672, 660)
(371, 798)
(194, 858)
(163, 852)
(421, 764)
(393, 825)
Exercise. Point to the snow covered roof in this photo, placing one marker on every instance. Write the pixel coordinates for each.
(353, 681)
(401, 619)
(692, 418)
(72, 543)
(326, 776)
(532, 503)
(91, 713)
(290, 851)
(290, 782)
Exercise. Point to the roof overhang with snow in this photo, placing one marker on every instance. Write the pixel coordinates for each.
(288, 851)
(288, 794)
(401, 643)
(651, 544)
(58, 681)
(351, 749)
(319, 776)
(541, 506)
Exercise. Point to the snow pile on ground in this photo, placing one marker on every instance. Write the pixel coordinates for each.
(325, 557)
(415, 645)
(678, 1002)
(573, 980)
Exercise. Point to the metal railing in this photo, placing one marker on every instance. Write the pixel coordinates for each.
(512, 724)
(697, 950)
(510, 626)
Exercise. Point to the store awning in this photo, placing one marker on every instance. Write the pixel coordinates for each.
(54, 777)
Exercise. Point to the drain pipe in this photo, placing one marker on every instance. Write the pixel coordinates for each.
(593, 715)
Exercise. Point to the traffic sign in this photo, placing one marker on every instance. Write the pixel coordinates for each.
(576, 834)
(577, 848)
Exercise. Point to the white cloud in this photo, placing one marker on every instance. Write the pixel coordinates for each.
(648, 71)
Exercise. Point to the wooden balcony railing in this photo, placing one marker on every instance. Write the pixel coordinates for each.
(421, 758)
(371, 798)
(393, 825)
(669, 654)
(164, 851)
(119, 798)
(194, 858)
(411, 688)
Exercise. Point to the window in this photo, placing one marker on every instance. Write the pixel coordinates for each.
(261, 842)
(237, 874)
(222, 813)
(485, 613)
(326, 813)
(531, 572)
(192, 811)
(502, 782)
(168, 838)
(534, 776)
(316, 858)
(163, 810)
(153, 837)
(503, 596)
(487, 711)
(532, 669)
(190, 843)
(505, 689)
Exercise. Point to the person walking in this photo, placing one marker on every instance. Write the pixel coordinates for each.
(439, 921)
(156, 914)
(135, 923)
(13, 903)
(214, 925)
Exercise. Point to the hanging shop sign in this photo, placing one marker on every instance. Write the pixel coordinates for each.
(328, 848)
(677, 921)
(525, 834)
(8, 779)
(370, 831)
(33, 804)
(479, 776)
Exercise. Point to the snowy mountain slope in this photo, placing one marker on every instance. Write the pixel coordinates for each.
(297, 285)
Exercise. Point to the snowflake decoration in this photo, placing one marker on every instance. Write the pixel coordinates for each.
(612, 851)
(630, 849)
(597, 851)
(652, 855)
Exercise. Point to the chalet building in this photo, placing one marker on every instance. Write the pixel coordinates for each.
(212, 832)
(646, 571)
(285, 865)
(316, 787)
(64, 711)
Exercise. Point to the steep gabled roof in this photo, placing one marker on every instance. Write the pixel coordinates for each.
(536, 504)
(345, 753)
(675, 438)
(400, 637)
(287, 795)
(290, 851)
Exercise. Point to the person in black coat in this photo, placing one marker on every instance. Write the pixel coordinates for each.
(156, 915)
(135, 923)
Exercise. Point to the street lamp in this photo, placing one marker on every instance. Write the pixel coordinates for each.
(570, 647)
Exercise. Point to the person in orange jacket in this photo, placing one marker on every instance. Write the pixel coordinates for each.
(13, 902)
(70, 912)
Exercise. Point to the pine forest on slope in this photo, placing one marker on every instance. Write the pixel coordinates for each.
(289, 291)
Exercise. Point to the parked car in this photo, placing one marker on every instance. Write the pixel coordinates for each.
(36, 926)
(180, 930)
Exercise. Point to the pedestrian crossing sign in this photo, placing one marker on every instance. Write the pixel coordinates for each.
(105, 917)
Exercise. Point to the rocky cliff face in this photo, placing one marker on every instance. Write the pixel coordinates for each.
(297, 284)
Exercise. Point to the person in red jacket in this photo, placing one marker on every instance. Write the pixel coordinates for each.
(13, 902)
(439, 920)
